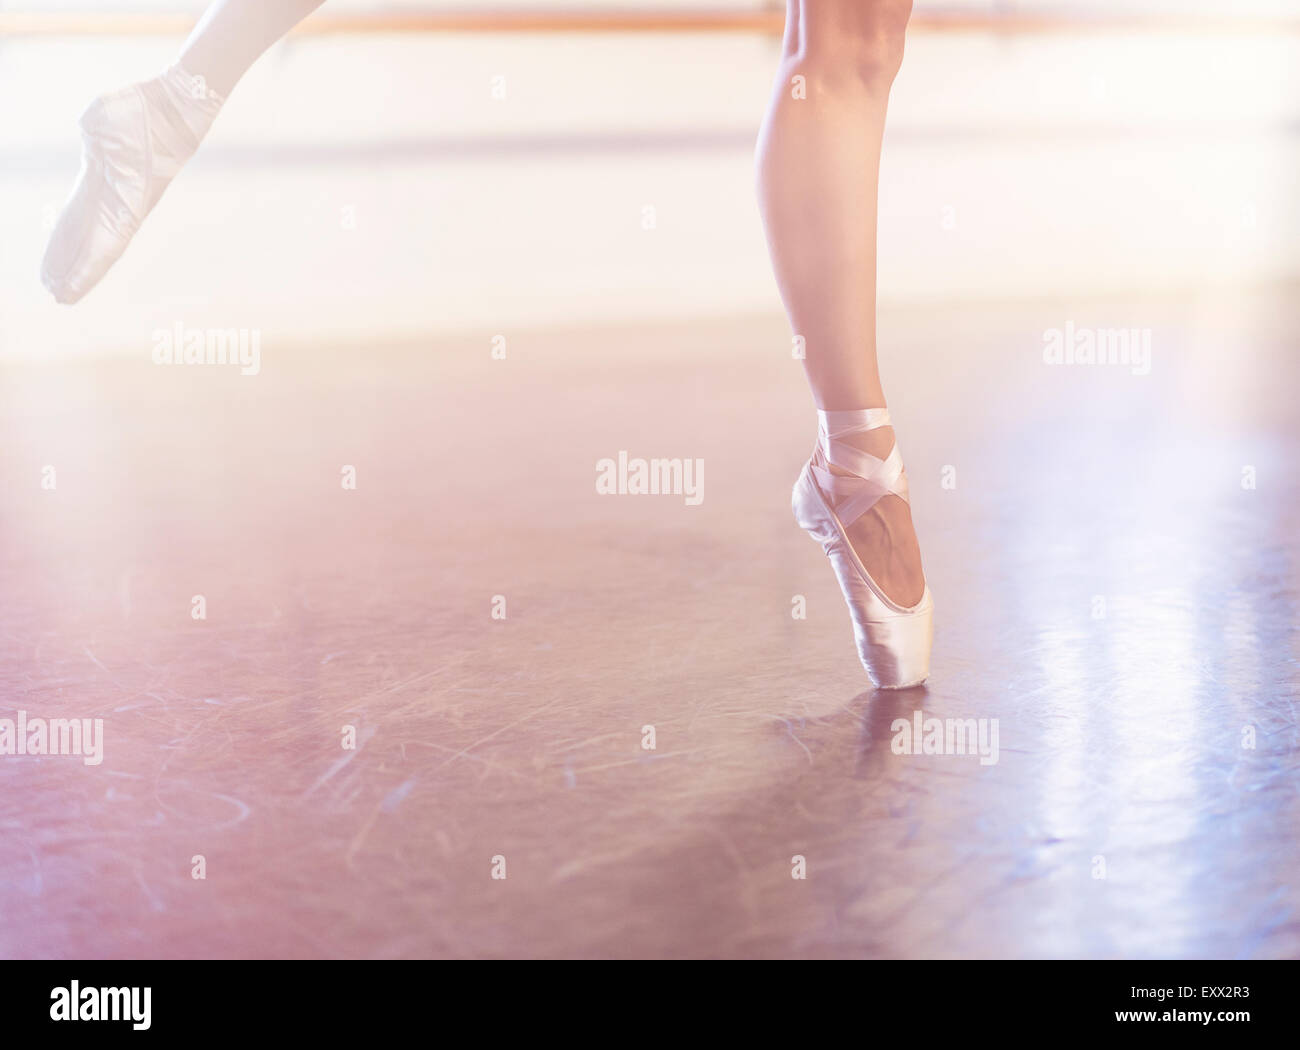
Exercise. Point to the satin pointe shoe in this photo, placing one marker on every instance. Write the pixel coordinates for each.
(134, 142)
(893, 641)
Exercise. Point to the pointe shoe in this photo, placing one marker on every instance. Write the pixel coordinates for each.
(134, 142)
(893, 641)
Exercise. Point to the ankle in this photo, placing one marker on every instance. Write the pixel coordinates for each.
(878, 443)
(187, 99)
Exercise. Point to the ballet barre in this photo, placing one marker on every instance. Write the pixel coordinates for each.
(768, 21)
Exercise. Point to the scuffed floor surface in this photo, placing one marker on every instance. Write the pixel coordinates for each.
(1110, 589)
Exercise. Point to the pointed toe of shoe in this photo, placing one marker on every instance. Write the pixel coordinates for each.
(895, 650)
(90, 234)
(80, 250)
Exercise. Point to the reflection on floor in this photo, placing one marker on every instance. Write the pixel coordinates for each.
(1112, 556)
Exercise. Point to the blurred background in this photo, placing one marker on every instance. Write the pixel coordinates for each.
(382, 177)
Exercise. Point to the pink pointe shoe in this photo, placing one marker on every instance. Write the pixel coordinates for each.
(134, 142)
(893, 641)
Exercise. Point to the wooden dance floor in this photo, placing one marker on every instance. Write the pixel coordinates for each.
(1113, 559)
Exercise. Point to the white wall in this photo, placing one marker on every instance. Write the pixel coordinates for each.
(1021, 166)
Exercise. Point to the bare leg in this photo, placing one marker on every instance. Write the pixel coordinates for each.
(233, 34)
(818, 174)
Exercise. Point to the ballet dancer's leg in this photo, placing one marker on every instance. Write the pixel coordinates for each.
(134, 141)
(818, 168)
(233, 34)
